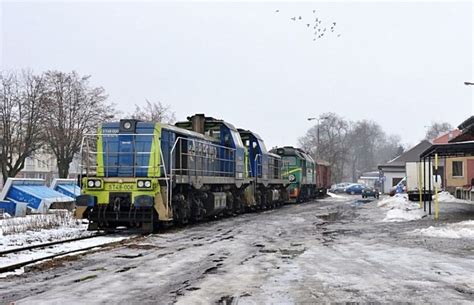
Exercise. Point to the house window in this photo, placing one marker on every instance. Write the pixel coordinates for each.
(395, 181)
(457, 169)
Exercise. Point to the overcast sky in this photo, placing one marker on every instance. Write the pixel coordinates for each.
(400, 64)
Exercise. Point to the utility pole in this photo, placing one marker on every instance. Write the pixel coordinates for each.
(318, 119)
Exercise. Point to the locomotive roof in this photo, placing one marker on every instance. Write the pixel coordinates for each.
(177, 130)
(246, 131)
(189, 132)
(293, 151)
(241, 130)
(208, 120)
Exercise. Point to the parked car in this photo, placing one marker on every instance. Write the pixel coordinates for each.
(370, 192)
(355, 189)
(339, 187)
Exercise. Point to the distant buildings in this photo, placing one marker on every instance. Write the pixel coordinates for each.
(460, 170)
(42, 165)
(394, 170)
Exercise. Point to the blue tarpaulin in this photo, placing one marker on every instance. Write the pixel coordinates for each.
(33, 192)
(67, 187)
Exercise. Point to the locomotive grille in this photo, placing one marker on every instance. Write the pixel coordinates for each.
(120, 201)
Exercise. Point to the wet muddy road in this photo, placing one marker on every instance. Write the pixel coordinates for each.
(323, 251)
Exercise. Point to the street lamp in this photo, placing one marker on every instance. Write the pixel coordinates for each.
(317, 130)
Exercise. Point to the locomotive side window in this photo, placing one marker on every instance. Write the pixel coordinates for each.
(236, 138)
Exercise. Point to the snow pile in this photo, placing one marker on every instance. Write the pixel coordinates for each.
(463, 229)
(60, 218)
(397, 201)
(447, 197)
(42, 236)
(333, 196)
(401, 209)
(397, 215)
(37, 229)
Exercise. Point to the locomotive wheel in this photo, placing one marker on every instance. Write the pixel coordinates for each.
(181, 215)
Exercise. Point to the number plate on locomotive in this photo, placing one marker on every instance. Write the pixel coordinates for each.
(119, 187)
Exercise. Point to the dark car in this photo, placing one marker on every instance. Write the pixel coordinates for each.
(370, 192)
(355, 189)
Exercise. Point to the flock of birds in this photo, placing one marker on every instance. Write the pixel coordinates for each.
(318, 29)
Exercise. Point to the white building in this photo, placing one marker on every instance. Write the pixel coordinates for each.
(43, 165)
(394, 170)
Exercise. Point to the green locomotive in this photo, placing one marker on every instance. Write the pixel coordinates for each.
(300, 170)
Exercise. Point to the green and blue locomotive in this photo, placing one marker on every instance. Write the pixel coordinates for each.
(300, 170)
(143, 174)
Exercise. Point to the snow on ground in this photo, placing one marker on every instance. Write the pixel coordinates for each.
(14, 258)
(447, 197)
(401, 209)
(463, 229)
(336, 197)
(37, 229)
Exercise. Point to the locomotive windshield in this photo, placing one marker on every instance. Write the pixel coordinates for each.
(289, 160)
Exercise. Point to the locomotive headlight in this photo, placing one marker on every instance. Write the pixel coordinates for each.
(127, 125)
(98, 183)
(90, 183)
(144, 184)
(291, 177)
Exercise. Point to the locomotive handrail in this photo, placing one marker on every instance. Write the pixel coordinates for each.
(195, 171)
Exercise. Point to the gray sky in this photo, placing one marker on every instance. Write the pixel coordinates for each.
(400, 64)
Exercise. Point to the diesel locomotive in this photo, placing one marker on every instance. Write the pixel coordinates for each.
(308, 179)
(145, 174)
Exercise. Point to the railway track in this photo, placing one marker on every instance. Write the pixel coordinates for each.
(41, 252)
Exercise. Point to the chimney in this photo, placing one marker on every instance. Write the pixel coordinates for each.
(197, 122)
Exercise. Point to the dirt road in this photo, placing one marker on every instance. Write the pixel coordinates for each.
(323, 251)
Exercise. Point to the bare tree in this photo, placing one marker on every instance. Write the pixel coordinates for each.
(154, 112)
(333, 143)
(22, 97)
(73, 108)
(437, 129)
(350, 147)
(364, 138)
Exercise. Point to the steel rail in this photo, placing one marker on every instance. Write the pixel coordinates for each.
(22, 264)
(21, 249)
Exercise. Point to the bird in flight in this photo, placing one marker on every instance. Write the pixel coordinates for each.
(316, 25)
